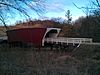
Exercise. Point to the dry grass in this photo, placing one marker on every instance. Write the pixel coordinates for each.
(26, 61)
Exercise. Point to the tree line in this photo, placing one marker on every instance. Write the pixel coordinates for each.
(83, 27)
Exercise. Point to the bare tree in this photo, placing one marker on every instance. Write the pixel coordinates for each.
(9, 8)
(96, 3)
(90, 26)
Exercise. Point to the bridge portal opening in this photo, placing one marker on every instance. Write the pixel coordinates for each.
(51, 33)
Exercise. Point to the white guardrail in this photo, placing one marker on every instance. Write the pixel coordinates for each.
(68, 40)
(3, 37)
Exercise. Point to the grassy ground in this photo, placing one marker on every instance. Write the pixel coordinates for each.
(84, 60)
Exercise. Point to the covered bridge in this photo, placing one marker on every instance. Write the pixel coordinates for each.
(34, 36)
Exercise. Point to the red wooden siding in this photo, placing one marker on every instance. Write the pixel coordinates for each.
(28, 35)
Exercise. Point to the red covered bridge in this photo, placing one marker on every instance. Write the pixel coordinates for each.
(35, 36)
(38, 36)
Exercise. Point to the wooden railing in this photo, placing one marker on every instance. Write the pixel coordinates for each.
(3, 38)
(68, 40)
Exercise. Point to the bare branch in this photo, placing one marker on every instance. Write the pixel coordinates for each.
(8, 7)
(3, 21)
(98, 3)
(21, 10)
(86, 9)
